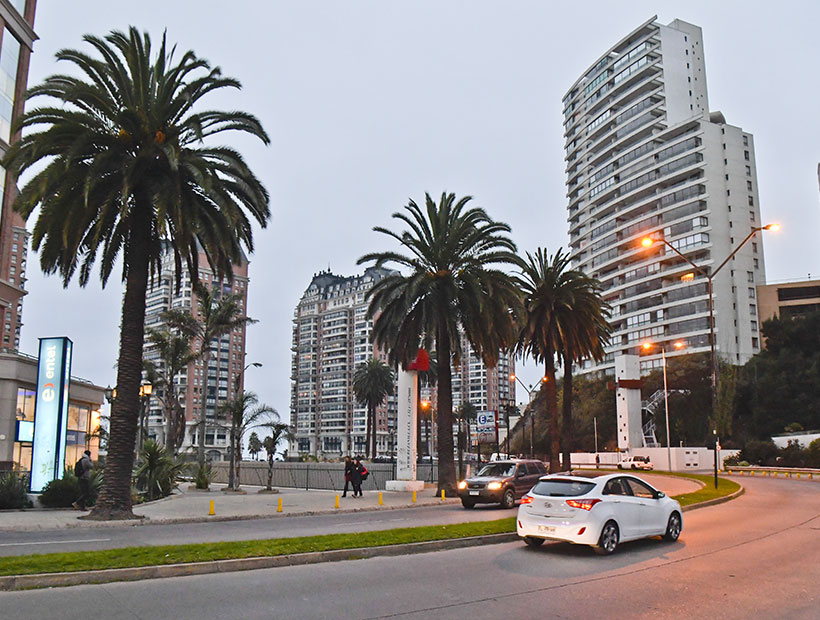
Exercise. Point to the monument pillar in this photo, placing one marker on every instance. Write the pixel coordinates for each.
(628, 402)
(408, 399)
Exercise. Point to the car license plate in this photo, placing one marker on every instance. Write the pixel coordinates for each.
(473, 492)
(547, 529)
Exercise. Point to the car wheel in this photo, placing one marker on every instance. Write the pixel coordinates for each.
(620, 466)
(467, 503)
(634, 466)
(508, 501)
(608, 541)
(673, 528)
(533, 542)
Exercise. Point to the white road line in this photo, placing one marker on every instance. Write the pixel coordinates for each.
(54, 542)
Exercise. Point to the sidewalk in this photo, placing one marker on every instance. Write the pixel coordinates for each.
(193, 506)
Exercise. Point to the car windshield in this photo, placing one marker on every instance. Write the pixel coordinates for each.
(501, 470)
(562, 488)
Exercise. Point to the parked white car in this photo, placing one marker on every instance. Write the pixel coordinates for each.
(636, 462)
(602, 512)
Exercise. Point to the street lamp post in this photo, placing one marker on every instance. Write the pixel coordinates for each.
(145, 396)
(678, 345)
(531, 393)
(649, 241)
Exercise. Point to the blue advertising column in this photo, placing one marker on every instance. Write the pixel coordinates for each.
(50, 412)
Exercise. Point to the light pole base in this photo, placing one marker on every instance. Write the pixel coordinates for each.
(404, 485)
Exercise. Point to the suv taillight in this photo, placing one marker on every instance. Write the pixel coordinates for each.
(527, 499)
(583, 504)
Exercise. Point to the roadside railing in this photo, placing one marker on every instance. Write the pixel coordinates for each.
(803, 473)
(323, 476)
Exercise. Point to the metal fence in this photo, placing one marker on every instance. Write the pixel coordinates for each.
(328, 476)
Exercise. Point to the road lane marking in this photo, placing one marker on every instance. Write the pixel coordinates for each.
(55, 542)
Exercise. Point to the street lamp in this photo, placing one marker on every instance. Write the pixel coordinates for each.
(649, 241)
(531, 393)
(145, 395)
(648, 346)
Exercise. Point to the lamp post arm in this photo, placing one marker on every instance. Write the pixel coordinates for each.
(694, 266)
(742, 243)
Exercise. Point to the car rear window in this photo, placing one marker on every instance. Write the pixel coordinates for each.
(562, 488)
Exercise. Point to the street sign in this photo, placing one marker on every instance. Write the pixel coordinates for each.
(485, 426)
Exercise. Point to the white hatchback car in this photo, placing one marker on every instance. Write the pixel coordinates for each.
(601, 512)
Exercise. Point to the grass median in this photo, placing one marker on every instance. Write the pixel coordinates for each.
(129, 557)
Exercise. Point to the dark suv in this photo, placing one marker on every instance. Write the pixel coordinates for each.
(500, 482)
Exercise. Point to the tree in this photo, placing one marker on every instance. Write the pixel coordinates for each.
(244, 411)
(548, 288)
(254, 445)
(174, 349)
(372, 383)
(278, 432)
(217, 314)
(452, 255)
(584, 334)
(122, 169)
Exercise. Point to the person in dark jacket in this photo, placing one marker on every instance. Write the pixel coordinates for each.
(356, 477)
(348, 473)
(85, 481)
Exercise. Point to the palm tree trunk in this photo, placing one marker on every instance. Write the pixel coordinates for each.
(367, 434)
(551, 407)
(446, 465)
(114, 501)
(203, 416)
(566, 462)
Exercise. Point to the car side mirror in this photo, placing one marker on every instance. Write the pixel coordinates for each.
(660, 494)
(519, 474)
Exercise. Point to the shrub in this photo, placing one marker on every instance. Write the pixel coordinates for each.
(760, 452)
(61, 493)
(158, 472)
(13, 486)
(203, 475)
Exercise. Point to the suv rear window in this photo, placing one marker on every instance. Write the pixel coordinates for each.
(562, 488)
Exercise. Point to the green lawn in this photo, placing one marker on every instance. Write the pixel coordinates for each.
(176, 554)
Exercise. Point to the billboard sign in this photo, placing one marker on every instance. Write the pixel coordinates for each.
(50, 412)
(485, 426)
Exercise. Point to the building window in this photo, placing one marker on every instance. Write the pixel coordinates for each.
(749, 185)
(746, 155)
(754, 326)
(752, 310)
(754, 247)
(755, 344)
(745, 140)
(751, 292)
(752, 215)
(750, 276)
(751, 201)
(757, 264)
(748, 171)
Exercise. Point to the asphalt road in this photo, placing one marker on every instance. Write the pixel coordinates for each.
(755, 557)
(86, 539)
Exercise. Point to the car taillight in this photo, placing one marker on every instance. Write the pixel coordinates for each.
(583, 504)
(527, 499)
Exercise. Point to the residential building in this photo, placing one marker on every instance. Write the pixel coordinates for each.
(224, 368)
(16, 40)
(788, 299)
(645, 156)
(331, 338)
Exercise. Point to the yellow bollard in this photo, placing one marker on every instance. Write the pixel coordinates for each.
(798, 476)
(414, 497)
(279, 507)
(381, 503)
(211, 512)
(442, 495)
(337, 502)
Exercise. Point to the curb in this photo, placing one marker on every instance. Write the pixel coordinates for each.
(716, 501)
(48, 580)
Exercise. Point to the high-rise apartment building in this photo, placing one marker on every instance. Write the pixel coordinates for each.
(16, 40)
(331, 338)
(224, 368)
(646, 157)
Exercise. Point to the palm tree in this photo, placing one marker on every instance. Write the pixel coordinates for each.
(122, 169)
(254, 445)
(217, 314)
(453, 283)
(279, 431)
(372, 383)
(585, 333)
(174, 349)
(548, 306)
(244, 411)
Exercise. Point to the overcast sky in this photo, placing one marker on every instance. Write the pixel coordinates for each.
(371, 103)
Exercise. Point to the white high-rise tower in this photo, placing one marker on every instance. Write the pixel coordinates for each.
(646, 157)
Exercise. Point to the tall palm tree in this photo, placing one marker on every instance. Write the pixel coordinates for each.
(121, 168)
(372, 383)
(546, 287)
(584, 334)
(278, 432)
(217, 314)
(244, 411)
(454, 282)
(174, 349)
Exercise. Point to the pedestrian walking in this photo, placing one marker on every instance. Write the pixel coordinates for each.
(356, 477)
(83, 472)
(348, 474)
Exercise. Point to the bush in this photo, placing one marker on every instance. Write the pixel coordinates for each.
(158, 472)
(13, 487)
(61, 493)
(760, 453)
(203, 475)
